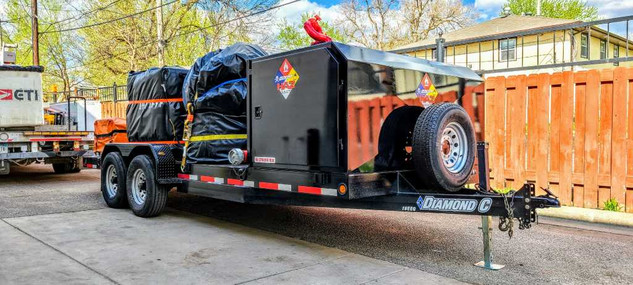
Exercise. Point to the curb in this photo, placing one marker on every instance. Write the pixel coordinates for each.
(589, 215)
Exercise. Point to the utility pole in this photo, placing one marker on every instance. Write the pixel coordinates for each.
(538, 7)
(159, 30)
(35, 33)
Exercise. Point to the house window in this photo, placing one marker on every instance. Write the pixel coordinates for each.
(584, 50)
(603, 49)
(508, 49)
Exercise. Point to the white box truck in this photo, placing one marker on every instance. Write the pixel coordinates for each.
(25, 136)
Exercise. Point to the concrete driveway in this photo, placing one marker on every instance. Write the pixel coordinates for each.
(108, 246)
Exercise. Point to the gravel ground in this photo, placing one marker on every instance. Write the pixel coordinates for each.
(446, 245)
(37, 190)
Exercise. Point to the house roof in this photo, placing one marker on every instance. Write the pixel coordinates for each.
(497, 26)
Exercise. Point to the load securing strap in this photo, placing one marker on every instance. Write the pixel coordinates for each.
(155, 101)
(217, 137)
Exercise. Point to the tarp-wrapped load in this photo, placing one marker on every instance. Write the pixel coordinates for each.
(220, 105)
(109, 130)
(155, 110)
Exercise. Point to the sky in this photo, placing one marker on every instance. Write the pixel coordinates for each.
(486, 9)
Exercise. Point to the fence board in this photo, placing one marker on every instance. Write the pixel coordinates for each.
(580, 82)
(629, 192)
(618, 143)
(591, 139)
(542, 131)
(495, 128)
(604, 143)
(556, 82)
(517, 128)
(566, 137)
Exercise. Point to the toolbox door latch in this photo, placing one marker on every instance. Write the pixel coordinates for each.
(258, 112)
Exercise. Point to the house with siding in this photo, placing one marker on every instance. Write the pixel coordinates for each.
(522, 43)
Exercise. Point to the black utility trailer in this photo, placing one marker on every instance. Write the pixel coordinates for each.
(303, 147)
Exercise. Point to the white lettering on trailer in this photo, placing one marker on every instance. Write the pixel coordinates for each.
(430, 203)
(485, 205)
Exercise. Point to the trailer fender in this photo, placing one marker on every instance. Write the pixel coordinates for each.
(165, 164)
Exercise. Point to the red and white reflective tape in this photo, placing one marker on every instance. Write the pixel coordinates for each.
(275, 186)
(262, 185)
(237, 182)
(211, 179)
(90, 165)
(318, 191)
(188, 176)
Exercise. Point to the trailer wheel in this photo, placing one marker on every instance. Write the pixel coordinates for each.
(146, 197)
(113, 181)
(396, 134)
(444, 146)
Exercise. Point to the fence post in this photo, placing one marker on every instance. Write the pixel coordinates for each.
(114, 96)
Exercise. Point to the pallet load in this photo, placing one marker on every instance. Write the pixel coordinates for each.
(218, 80)
(155, 111)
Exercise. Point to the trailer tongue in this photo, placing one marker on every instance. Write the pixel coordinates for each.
(333, 125)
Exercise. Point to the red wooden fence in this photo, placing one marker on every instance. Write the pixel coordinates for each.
(566, 132)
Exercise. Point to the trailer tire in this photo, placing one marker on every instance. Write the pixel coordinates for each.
(396, 134)
(444, 146)
(113, 177)
(146, 197)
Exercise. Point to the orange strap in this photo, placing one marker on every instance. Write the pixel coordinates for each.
(155, 142)
(155, 101)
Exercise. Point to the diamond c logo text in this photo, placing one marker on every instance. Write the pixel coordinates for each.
(19, 94)
(430, 203)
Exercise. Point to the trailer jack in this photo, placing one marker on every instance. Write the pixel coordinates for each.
(486, 229)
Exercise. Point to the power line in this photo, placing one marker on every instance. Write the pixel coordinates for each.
(236, 19)
(186, 33)
(84, 13)
(110, 21)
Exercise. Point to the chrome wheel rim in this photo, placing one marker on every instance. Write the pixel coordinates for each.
(454, 147)
(139, 187)
(112, 186)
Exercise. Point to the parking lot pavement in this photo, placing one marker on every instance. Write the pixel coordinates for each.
(111, 246)
(55, 229)
(445, 245)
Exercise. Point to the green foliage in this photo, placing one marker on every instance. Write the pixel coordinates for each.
(563, 9)
(294, 36)
(612, 205)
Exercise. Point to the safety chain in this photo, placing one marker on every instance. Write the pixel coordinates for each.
(507, 224)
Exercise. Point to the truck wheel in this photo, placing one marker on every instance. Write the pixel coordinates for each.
(444, 146)
(146, 197)
(113, 181)
(396, 134)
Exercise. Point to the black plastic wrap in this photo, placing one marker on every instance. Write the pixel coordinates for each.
(212, 150)
(228, 64)
(227, 98)
(155, 121)
(189, 86)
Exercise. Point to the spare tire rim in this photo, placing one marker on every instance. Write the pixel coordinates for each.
(454, 147)
(139, 187)
(112, 186)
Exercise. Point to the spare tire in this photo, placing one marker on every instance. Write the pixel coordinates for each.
(396, 134)
(444, 147)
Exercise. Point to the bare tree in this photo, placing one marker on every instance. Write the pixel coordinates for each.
(385, 24)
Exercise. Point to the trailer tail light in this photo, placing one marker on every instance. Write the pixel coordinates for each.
(56, 146)
(76, 145)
